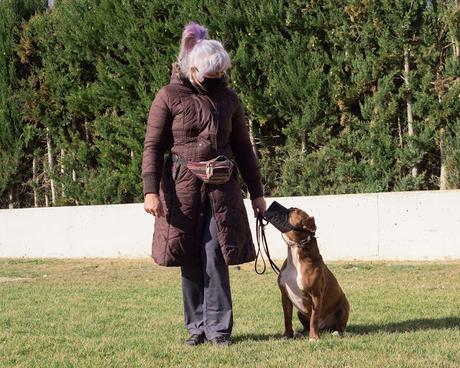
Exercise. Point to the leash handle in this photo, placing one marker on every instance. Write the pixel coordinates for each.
(259, 225)
(262, 239)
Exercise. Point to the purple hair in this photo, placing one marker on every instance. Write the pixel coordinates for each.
(192, 34)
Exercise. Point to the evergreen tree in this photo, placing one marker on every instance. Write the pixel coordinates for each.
(341, 97)
(13, 15)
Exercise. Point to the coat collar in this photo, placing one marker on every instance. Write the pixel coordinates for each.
(177, 77)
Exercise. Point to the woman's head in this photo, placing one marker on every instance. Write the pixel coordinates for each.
(200, 57)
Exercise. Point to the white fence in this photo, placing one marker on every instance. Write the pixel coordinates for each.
(384, 226)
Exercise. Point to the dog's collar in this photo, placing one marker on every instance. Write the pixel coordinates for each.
(302, 243)
(307, 240)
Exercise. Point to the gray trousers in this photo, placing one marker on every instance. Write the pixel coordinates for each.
(206, 288)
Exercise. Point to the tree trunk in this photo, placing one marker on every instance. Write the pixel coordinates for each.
(442, 152)
(74, 178)
(86, 132)
(11, 197)
(401, 142)
(456, 47)
(45, 183)
(62, 172)
(34, 180)
(410, 116)
(253, 143)
(50, 166)
(443, 181)
(304, 141)
(444, 172)
(251, 137)
(455, 40)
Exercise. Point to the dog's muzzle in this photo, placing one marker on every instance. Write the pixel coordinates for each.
(278, 216)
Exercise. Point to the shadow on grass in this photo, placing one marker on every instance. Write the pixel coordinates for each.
(397, 327)
(406, 326)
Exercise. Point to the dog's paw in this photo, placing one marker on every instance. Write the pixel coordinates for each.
(337, 334)
(313, 339)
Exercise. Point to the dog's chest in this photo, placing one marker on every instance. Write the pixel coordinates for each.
(291, 281)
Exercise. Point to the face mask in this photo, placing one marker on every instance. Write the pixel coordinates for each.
(212, 84)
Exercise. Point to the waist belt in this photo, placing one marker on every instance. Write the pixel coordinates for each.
(215, 171)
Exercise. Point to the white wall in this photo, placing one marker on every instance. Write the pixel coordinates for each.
(397, 226)
(83, 231)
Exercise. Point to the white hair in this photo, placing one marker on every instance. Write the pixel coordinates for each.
(207, 56)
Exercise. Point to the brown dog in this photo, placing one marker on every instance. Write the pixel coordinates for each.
(306, 282)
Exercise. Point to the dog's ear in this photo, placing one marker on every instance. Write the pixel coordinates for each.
(309, 224)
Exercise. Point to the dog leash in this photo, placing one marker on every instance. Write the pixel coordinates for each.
(261, 223)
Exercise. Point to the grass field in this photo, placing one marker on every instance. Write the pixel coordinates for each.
(128, 313)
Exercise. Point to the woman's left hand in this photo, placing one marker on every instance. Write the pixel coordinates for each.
(259, 206)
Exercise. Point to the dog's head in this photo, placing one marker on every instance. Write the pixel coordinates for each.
(303, 226)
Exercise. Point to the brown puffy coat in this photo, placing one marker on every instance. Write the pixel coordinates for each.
(198, 126)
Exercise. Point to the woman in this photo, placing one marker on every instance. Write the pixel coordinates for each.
(203, 228)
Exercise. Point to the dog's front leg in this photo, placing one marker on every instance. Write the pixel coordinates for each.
(315, 313)
(287, 309)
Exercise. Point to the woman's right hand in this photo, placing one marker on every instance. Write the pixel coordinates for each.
(152, 205)
(259, 206)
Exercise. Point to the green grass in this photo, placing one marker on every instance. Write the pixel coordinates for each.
(128, 313)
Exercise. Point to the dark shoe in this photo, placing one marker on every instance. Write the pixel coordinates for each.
(221, 341)
(194, 340)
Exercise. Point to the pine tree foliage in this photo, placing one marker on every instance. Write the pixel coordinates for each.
(13, 135)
